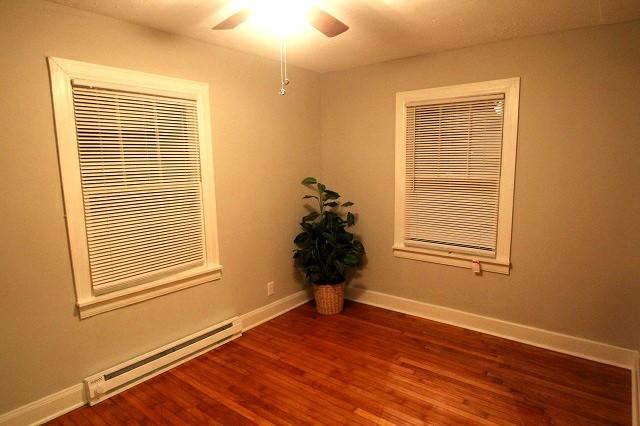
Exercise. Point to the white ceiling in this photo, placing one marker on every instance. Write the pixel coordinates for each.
(380, 29)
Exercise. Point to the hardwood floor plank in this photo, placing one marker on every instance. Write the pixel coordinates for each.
(370, 366)
(233, 403)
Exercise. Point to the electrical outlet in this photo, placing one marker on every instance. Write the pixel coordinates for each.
(271, 288)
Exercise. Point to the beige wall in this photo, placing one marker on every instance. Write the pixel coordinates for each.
(575, 238)
(576, 234)
(259, 158)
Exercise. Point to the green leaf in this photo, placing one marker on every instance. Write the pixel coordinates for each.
(351, 219)
(321, 188)
(310, 216)
(331, 215)
(330, 239)
(351, 260)
(347, 204)
(331, 195)
(309, 181)
(331, 204)
(310, 196)
(346, 236)
(301, 238)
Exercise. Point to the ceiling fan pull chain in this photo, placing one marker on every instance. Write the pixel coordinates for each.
(282, 91)
(284, 80)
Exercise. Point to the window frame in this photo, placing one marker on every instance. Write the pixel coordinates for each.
(501, 263)
(62, 73)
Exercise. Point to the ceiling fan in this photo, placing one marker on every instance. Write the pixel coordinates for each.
(283, 14)
(321, 20)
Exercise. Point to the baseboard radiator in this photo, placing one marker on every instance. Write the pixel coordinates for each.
(107, 383)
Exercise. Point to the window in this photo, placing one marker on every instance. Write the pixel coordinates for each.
(137, 174)
(455, 169)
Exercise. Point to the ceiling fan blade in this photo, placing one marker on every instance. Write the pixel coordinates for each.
(326, 23)
(234, 20)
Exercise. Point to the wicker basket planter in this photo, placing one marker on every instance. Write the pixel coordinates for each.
(329, 298)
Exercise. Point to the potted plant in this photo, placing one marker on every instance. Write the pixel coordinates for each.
(325, 249)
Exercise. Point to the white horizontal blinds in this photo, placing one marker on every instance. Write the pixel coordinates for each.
(453, 173)
(140, 172)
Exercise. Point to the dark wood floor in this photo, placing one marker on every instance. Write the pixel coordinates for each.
(370, 366)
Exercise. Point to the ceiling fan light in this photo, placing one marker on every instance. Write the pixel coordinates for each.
(281, 17)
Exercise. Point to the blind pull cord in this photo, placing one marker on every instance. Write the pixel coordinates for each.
(476, 267)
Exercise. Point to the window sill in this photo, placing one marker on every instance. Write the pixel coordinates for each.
(118, 299)
(453, 259)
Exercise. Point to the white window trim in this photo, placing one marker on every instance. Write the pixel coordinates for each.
(62, 73)
(501, 262)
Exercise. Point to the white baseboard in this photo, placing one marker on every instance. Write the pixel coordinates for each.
(59, 403)
(564, 343)
(47, 408)
(272, 310)
(68, 399)
(583, 348)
